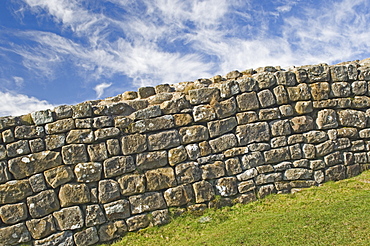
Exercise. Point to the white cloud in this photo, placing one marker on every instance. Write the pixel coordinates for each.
(99, 89)
(18, 104)
(18, 81)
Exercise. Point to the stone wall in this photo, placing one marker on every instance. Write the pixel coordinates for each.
(90, 172)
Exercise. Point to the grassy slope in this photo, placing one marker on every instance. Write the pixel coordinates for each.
(333, 214)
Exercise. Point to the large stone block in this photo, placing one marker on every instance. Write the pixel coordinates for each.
(118, 165)
(178, 196)
(13, 213)
(303, 107)
(154, 124)
(175, 105)
(265, 79)
(301, 124)
(4, 172)
(54, 141)
(286, 78)
(160, 178)
(152, 200)
(63, 111)
(135, 143)
(281, 95)
(254, 132)
(14, 235)
(40, 228)
(315, 136)
(94, 215)
(335, 173)
(203, 95)
(112, 230)
(118, 209)
(18, 148)
(318, 73)
(14, 191)
(320, 91)
(280, 128)
(326, 119)
(299, 93)
(132, 184)
(193, 134)
(203, 191)
(247, 84)
(225, 108)
(266, 98)
(228, 88)
(42, 204)
(341, 89)
(339, 73)
(217, 128)
(88, 172)
(60, 126)
(223, 143)
(269, 114)
(97, 152)
(277, 155)
(28, 132)
(74, 153)
(62, 238)
(188, 172)
(108, 191)
(268, 178)
(42, 117)
(325, 148)
(352, 118)
(151, 160)
(253, 159)
(86, 237)
(203, 113)
(247, 101)
(70, 218)
(58, 176)
(227, 186)
(182, 119)
(177, 155)
(163, 140)
(82, 110)
(74, 194)
(214, 170)
(298, 173)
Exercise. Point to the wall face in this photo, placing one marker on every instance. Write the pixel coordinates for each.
(90, 172)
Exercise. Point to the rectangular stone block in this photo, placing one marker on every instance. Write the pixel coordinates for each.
(188, 172)
(60, 126)
(14, 191)
(153, 200)
(254, 132)
(14, 235)
(151, 160)
(118, 165)
(118, 209)
(179, 196)
(135, 143)
(193, 134)
(223, 143)
(163, 140)
(42, 204)
(74, 153)
(247, 101)
(204, 95)
(40, 228)
(277, 155)
(69, 218)
(58, 176)
(74, 194)
(160, 178)
(132, 184)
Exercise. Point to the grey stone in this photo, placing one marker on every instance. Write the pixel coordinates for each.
(227, 186)
(14, 235)
(188, 172)
(113, 147)
(145, 92)
(132, 184)
(324, 148)
(269, 114)
(70, 218)
(74, 153)
(151, 160)
(228, 88)
(182, 119)
(320, 91)
(160, 217)
(315, 136)
(295, 151)
(265, 79)
(317, 164)
(247, 198)
(333, 159)
(248, 174)
(247, 84)
(177, 155)
(204, 95)
(318, 73)
(254, 132)
(301, 163)
(37, 182)
(94, 215)
(299, 93)
(319, 177)
(361, 102)
(178, 196)
(153, 201)
(297, 173)
(193, 134)
(301, 124)
(118, 165)
(225, 108)
(40, 228)
(4, 172)
(74, 194)
(236, 151)
(83, 123)
(137, 222)
(203, 113)
(246, 117)
(86, 237)
(280, 128)
(359, 88)
(14, 191)
(175, 105)
(335, 173)
(60, 126)
(203, 191)
(265, 169)
(278, 142)
(112, 230)
(102, 121)
(281, 95)
(117, 210)
(266, 98)
(214, 170)
(62, 238)
(122, 122)
(80, 136)
(193, 151)
(276, 155)
(282, 166)
(55, 141)
(28, 132)
(37, 145)
(286, 78)
(82, 110)
(303, 107)
(326, 119)
(58, 176)
(252, 159)
(247, 101)
(339, 73)
(163, 140)
(341, 89)
(309, 151)
(104, 133)
(160, 178)
(233, 166)
(266, 190)
(42, 204)
(88, 172)
(223, 143)
(246, 186)
(8, 136)
(42, 117)
(154, 124)
(18, 148)
(268, 178)
(108, 191)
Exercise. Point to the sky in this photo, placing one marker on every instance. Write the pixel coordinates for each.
(55, 52)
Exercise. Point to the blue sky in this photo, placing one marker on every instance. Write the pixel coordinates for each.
(55, 52)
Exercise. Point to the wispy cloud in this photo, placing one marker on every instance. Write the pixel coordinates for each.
(99, 89)
(18, 104)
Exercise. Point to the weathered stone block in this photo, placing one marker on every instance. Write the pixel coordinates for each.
(88, 172)
(278, 142)
(94, 215)
(112, 230)
(320, 91)
(80, 136)
(138, 222)
(301, 163)
(113, 147)
(60, 126)
(268, 178)
(160, 217)
(341, 89)
(14, 191)
(204, 95)
(254, 132)
(118, 165)
(178, 196)
(74, 153)
(175, 105)
(265, 79)
(280, 128)
(223, 143)
(246, 186)
(225, 108)
(326, 119)
(154, 124)
(13, 213)
(247, 101)
(82, 110)
(281, 95)
(151, 160)
(266, 190)
(297, 173)
(55, 141)
(108, 191)
(182, 119)
(160, 178)
(335, 173)
(301, 124)
(303, 107)
(361, 102)
(163, 140)
(282, 166)
(145, 92)
(315, 136)
(276, 155)
(252, 159)
(228, 88)
(86, 237)
(203, 191)
(333, 159)
(37, 182)
(203, 113)
(227, 186)
(286, 78)
(58, 176)
(14, 235)
(339, 73)
(97, 152)
(188, 172)
(318, 73)
(214, 170)
(4, 172)
(74, 194)
(295, 151)
(324, 148)
(247, 84)
(42, 117)
(177, 155)
(83, 123)
(40, 228)
(299, 93)
(246, 117)
(153, 201)
(359, 88)
(132, 184)
(118, 209)
(42, 204)
(29, 132)
(104, 133)
(269, 114)
(233, 166)
(8, 136)
(192, 151)
(69, 218)
(204, 148)
(63, 238)
(20, 147)
(309, 151)
(135, 143)
(193, 134)
(266, 98)
(63, 111)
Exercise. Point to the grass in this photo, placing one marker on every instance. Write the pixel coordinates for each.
(337, 213)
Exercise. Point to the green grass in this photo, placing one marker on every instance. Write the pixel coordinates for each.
(337, 213)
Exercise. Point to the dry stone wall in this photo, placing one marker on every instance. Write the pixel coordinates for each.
(88, 173)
